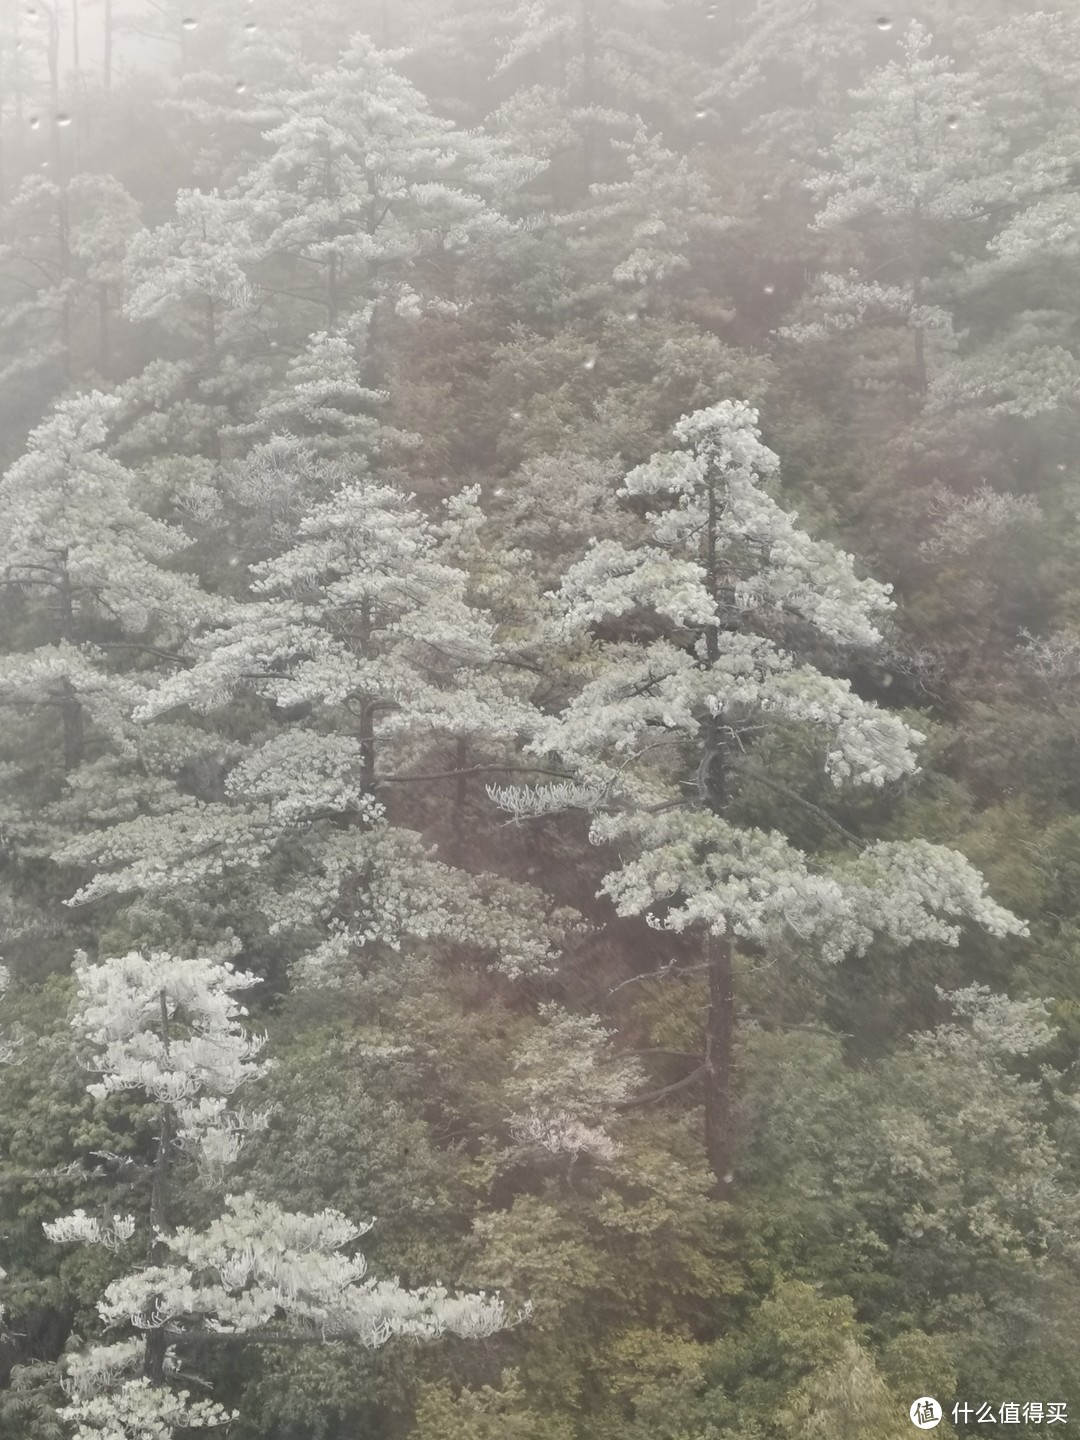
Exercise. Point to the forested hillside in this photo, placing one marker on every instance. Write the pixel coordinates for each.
(539, 719)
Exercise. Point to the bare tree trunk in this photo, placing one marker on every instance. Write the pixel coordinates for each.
(461, 764)
(56, 155)
(156, 1341)
(917, 295)
(71, 709)
(108, 56)
(719, 1039)
(332, 297)
(63, 233)
(720, 1016)
(104, 333)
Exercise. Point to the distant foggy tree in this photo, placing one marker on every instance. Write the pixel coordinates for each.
(920, 157)
(61, 263)
(582, 71)
(368, 202)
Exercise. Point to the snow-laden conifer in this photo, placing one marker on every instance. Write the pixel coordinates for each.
(920, 157)
(365, 624)
(660, 737)
(172, 1030)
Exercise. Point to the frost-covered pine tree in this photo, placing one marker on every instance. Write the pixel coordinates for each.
(171, 1030)
(189, 278)
(91, 565)
(1027, 73)
(95, 585)
(647, 228)
(361, 642)
(663, 737)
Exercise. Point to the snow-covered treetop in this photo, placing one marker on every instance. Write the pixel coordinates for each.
(198, 257)
(724, 465)
(920, 141)
(165, 1025)
(363, 606)
(724, 554)
(173, 1029)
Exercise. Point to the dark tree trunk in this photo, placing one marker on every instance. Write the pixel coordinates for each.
(719, 1038)
(333, 303)
(461, 764)
(71, 708)
(917, 296)
(64, 237)
(104, 336)
(720, 1016)
(156, 1340)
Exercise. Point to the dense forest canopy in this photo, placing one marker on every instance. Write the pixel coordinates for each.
(539, 719)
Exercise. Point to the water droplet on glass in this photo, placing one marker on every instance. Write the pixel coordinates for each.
(189, 22)
(1061, 467)
(700, 114)
(769, 289)
(884, 23)
(951, 121)
(250, 27)
(240, 87)
(767, 195)
(729, 1177)
(34, 122)
(31, 12)
(515, 414)
(590, 364)
(63, 119)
